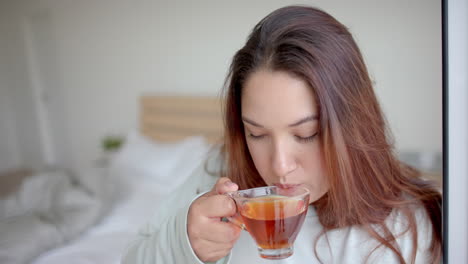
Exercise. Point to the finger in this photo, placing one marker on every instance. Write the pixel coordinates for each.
(218, 255)
(217, 206)
(210, 251)
(224, 185)
(215, 255)
(220, 181)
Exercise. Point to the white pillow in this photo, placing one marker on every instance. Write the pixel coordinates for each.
(143, 162)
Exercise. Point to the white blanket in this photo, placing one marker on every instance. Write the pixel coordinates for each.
(50, 209)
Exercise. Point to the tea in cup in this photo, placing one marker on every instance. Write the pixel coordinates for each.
(273, 216)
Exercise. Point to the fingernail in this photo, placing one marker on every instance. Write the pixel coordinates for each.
(229, 184)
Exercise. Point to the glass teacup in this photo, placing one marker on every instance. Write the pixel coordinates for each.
(273, 216)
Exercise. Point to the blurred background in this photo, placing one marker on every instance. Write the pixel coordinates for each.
(71, 72)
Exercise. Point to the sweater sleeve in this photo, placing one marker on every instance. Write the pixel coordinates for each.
(166, 243)
(164, 238)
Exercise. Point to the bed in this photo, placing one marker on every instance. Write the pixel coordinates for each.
(90, 216)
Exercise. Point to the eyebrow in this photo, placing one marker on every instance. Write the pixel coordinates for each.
(297, 123)
(304, 120)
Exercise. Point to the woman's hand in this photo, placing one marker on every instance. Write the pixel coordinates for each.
(212, 239)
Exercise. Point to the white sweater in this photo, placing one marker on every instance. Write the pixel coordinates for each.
(164, 239)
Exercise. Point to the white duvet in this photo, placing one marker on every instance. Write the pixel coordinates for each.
(49, 209)
(105, 242)
(140, 176)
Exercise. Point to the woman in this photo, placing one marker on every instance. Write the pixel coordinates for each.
(300, 110)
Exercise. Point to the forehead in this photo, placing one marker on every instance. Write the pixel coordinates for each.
(277, 95)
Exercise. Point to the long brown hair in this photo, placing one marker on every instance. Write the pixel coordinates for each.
(366, 180)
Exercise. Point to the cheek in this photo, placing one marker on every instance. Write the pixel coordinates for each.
(259, 154)
(314, 169)
(313, 164)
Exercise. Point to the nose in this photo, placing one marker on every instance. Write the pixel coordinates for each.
(283, 160)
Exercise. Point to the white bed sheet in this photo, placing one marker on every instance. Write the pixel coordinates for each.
(106, 242)
(149, 172)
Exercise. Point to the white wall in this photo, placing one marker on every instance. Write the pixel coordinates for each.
(8, 149)
(20, 145)
(9, 156)
(109, 52)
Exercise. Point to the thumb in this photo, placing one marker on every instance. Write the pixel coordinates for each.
(224, 185)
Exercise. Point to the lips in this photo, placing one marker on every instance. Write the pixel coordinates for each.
(287, 186)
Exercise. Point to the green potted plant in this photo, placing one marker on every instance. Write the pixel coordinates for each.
(110, 144)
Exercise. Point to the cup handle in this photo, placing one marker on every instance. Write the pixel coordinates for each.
(236, 218)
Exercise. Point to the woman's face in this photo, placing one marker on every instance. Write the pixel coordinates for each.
(280, 117)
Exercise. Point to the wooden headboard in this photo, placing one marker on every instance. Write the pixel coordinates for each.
(172, 118)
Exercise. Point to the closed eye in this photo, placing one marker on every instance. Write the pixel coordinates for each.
(306, 139)
(252, 136)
